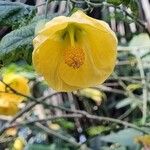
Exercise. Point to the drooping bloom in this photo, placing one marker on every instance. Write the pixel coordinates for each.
(9, 101)
(74, 52)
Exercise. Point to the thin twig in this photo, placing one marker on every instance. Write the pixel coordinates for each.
(86, 115)
(27, 108)
(109, 89)
(46, 8)
(145, 92)
(124, 115)
(40, 4)
(45, 120)
(129, 93)
(58, 135)
(129, 48)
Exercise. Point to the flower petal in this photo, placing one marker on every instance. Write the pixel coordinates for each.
(100, 49)
(82, 18)
(82, 77)
(7, 108)
(46, 61)
(55, 25)
(19, 84)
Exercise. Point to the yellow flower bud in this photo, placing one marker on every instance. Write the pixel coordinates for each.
(19, 144)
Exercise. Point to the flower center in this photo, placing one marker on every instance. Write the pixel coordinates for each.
(74, 57)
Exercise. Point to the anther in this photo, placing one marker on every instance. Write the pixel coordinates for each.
(74, 57)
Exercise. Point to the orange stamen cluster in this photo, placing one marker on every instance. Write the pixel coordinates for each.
(74, 57)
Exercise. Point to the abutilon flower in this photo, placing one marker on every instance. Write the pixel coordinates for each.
(74, 52)
(9, 100)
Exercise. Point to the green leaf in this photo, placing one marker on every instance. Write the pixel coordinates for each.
(21, 68)
(134, 7)
(124, 137)
(15, 13)
(141, 41)
(115, 2)
(128, 101)
(40, 147)
(92, 131)
(123, 103)
(40, 24)
(133, 86)
(66, 124)
(17, 45)
(126, 2)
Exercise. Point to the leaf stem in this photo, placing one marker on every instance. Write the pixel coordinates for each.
(145, 92)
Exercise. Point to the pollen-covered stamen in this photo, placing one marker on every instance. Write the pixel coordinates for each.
(74, 57)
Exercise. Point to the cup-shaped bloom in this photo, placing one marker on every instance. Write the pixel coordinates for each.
(74, 52)
(9, 100)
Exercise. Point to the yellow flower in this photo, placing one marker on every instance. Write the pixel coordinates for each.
(9, 101)
(145, 140)
(19, 144)
(75, 52)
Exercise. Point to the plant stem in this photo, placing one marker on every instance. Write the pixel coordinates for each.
(145, 92)
(27, 108)
(45, 120)
(56, 134)
(79, 114)
(46, 8)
